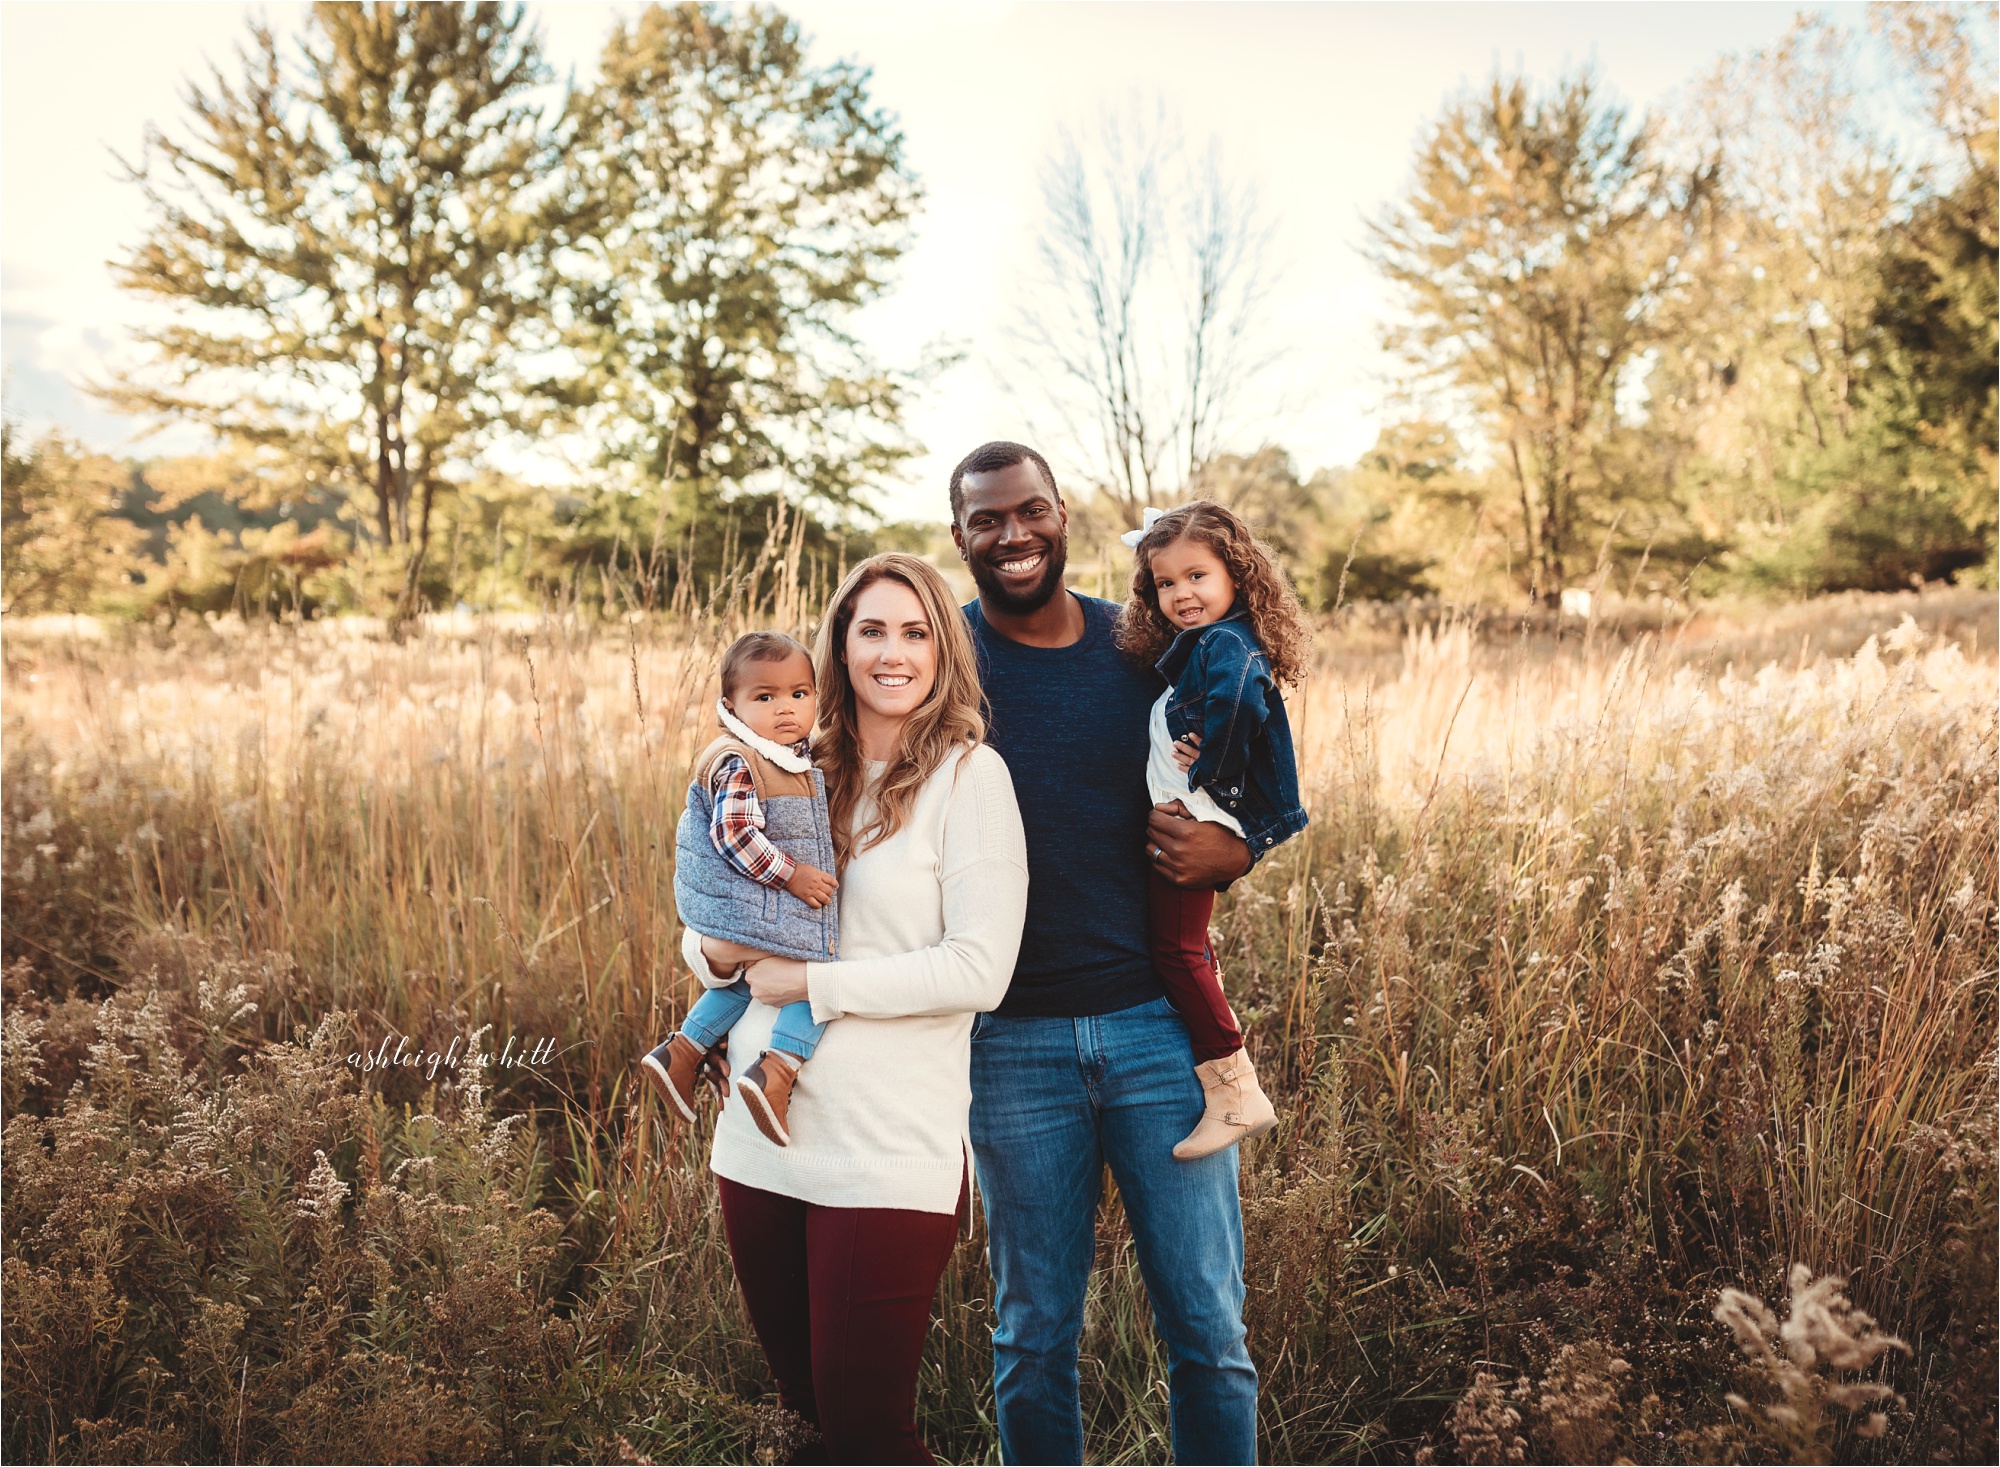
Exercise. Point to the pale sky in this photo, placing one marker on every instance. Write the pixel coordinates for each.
(1321, 104)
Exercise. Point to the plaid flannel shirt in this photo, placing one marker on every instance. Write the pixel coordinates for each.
(736, 824)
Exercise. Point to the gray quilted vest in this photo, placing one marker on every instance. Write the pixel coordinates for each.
(717, 900)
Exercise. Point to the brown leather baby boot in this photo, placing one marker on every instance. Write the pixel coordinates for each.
(1235, 1107)
(767, 1088)
(674, 1068)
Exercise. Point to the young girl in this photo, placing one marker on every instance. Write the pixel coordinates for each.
(1212, 611)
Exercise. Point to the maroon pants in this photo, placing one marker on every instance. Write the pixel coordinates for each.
(1181, 954)
(841, 1301)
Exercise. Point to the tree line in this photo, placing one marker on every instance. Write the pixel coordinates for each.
(1752, 341)
(396, 246)
(1744, 341)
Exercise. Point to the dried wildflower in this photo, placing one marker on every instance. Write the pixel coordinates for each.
(1750, 1320)
(222, 1007)
(320, 1198)
(1579, 1402)
(20, 1055)
(1821, 1327)
(781, 1435)
(629, 1455)
(1486, 1426)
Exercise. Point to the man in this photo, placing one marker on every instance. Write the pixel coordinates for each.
(1085, 1063)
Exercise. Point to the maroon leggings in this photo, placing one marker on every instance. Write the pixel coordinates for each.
(841, 1301)
(1179, 920)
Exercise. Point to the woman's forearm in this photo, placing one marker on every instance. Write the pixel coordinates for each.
(967, 972)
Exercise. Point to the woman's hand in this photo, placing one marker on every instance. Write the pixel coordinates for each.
(1187, 749)
(725, 957)
(777, 981)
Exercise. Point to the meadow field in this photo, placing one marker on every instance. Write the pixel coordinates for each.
(1622, 965)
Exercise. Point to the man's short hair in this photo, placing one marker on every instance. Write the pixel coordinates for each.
(756, 647)
(999, 454)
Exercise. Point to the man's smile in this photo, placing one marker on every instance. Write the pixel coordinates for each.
(1018, 563)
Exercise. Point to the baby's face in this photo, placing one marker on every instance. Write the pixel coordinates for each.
(775, 700)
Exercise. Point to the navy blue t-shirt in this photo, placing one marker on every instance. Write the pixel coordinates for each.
(1071, 724)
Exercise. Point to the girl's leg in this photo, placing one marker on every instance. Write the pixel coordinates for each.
(1179, 920)
(874, 1274)
(795, 1033)
(767, 1248)
(715, 1013)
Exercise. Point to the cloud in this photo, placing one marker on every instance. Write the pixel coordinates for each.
(44, 362)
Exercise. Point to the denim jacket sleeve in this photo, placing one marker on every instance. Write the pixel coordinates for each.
(1235, 682)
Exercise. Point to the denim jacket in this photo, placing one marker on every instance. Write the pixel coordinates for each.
(1223, 690)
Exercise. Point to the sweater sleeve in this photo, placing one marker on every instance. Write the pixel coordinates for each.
(691, 952)
(983, 873)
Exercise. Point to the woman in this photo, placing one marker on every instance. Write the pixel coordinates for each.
(839, 1237)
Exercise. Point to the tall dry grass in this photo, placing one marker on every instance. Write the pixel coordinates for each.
(1610, 975)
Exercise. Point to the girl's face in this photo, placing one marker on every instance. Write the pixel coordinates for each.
(1192, 584)
(891, 656)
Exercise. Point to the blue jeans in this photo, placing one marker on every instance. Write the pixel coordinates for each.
(1053, 1100)
(715, 1013)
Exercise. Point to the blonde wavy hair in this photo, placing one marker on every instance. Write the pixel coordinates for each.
(951, 718)
(1261, 589)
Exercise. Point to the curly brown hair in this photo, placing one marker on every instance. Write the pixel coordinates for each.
(1261, 588)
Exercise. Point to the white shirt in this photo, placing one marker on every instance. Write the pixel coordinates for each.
(930, 924)
(1166, 780)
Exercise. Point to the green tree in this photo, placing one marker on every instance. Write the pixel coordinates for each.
(351, 245)
(61, 543)
(1937, 313)
(1544, 252)
(1838, 386)
(729, 205)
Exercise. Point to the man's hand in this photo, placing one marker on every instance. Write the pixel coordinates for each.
(725, 957)
(777, 981)
(1191, 852)
(811, 885)
(713, 1071)
(1187, 749)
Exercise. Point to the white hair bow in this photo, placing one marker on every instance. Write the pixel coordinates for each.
(1133, 537)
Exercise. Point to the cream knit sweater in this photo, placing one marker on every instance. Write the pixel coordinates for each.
(930, 923)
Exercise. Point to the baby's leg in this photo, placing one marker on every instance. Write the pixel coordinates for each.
(715, 1013)
(795, 1034)
(1179, 920)
(767, 1085)
(675, 1066)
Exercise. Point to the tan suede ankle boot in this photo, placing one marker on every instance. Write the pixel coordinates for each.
(675, 1068)
(1235, 1109)
(767, 1086)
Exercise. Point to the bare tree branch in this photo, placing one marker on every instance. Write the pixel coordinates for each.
(1143, 327)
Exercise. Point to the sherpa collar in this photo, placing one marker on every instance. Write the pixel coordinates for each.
(789, 760)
